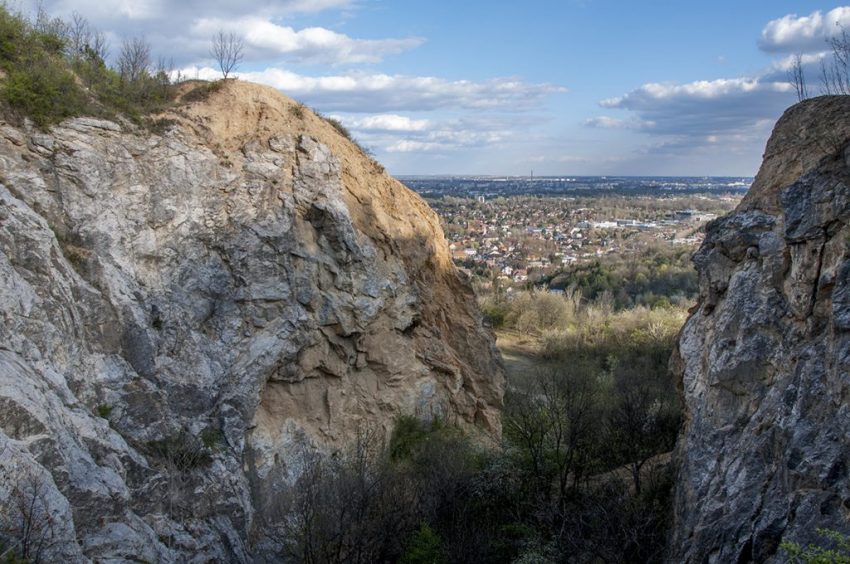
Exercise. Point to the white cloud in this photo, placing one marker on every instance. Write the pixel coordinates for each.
(389, 122)
(793, 33)
(446, 141)
(408, 146)
(182, 30)
(704, 108)
(698, 90)
(557, 159)
(312, 44)
(187, 10)
(378, 92)
(448, 137)
(608, 122)
(395, 133)
(605, 122)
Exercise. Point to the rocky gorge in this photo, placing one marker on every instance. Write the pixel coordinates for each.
(181, 309)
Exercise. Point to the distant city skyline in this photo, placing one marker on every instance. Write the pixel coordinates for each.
(569, 87)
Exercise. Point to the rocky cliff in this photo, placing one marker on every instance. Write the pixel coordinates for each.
(179, 309)
(765, 356)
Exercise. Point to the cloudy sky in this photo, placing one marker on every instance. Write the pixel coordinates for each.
(503, 87)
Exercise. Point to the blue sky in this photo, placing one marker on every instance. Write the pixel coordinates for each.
(472, 87)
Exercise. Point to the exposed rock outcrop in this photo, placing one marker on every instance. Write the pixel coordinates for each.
(243, 280)
(765, 356)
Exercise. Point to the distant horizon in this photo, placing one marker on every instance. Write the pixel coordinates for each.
(659, 176)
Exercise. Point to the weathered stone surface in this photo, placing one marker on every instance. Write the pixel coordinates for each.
(249, 276)
(764, 359)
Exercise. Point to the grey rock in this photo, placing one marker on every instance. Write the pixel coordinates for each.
(765, 451)
(157, 288)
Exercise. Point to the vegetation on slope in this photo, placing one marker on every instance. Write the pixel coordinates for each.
(55, 69)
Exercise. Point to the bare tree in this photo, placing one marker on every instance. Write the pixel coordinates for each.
(26, 521)
(352, 506)
(162, 75)
(554, 421)
(642, 423)
(47, 25)
(84, 41)
(134, 62)
(797, 77)
(79, 35)
(99, 46)
(835, 74)
(227, 49)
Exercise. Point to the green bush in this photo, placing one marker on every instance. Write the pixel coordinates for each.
(48, 81)
(495, 311)
(45, 93)
(212, 438)
(410, 435)
(424, 548)
(182, 451)
(837, 553)
(297, 111)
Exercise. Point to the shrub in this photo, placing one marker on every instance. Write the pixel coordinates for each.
(495, 311)
(341, 129)
(161, 125)
(212, 438)
(44, 74)
(182, 451)
(38, 82)
(201, 93)
(837, 553)
(533, 312)
(297, 110)
(409, 433)
(424, 548)
(103, 410)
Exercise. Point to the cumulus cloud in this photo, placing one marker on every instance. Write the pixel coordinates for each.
(312, 44)
(393, 133)
(446, 137)
(389, 122)
(446, 140)
(807, 34)
(704, 108)
(365, 92)
(412, 146)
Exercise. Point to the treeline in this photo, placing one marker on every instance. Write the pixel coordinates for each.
(657, 276)
(648, 208)
(55, 69)
(544, 313)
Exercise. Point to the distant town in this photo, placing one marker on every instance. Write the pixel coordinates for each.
(518, 231)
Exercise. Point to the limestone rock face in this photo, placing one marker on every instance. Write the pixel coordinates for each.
(765, 356)
(243, 281)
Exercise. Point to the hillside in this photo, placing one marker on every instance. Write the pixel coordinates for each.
(182, 311)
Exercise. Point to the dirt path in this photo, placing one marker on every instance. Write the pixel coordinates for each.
(520, 352)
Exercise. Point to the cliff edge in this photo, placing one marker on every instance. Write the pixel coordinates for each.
(242, 282)
(764, 358)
